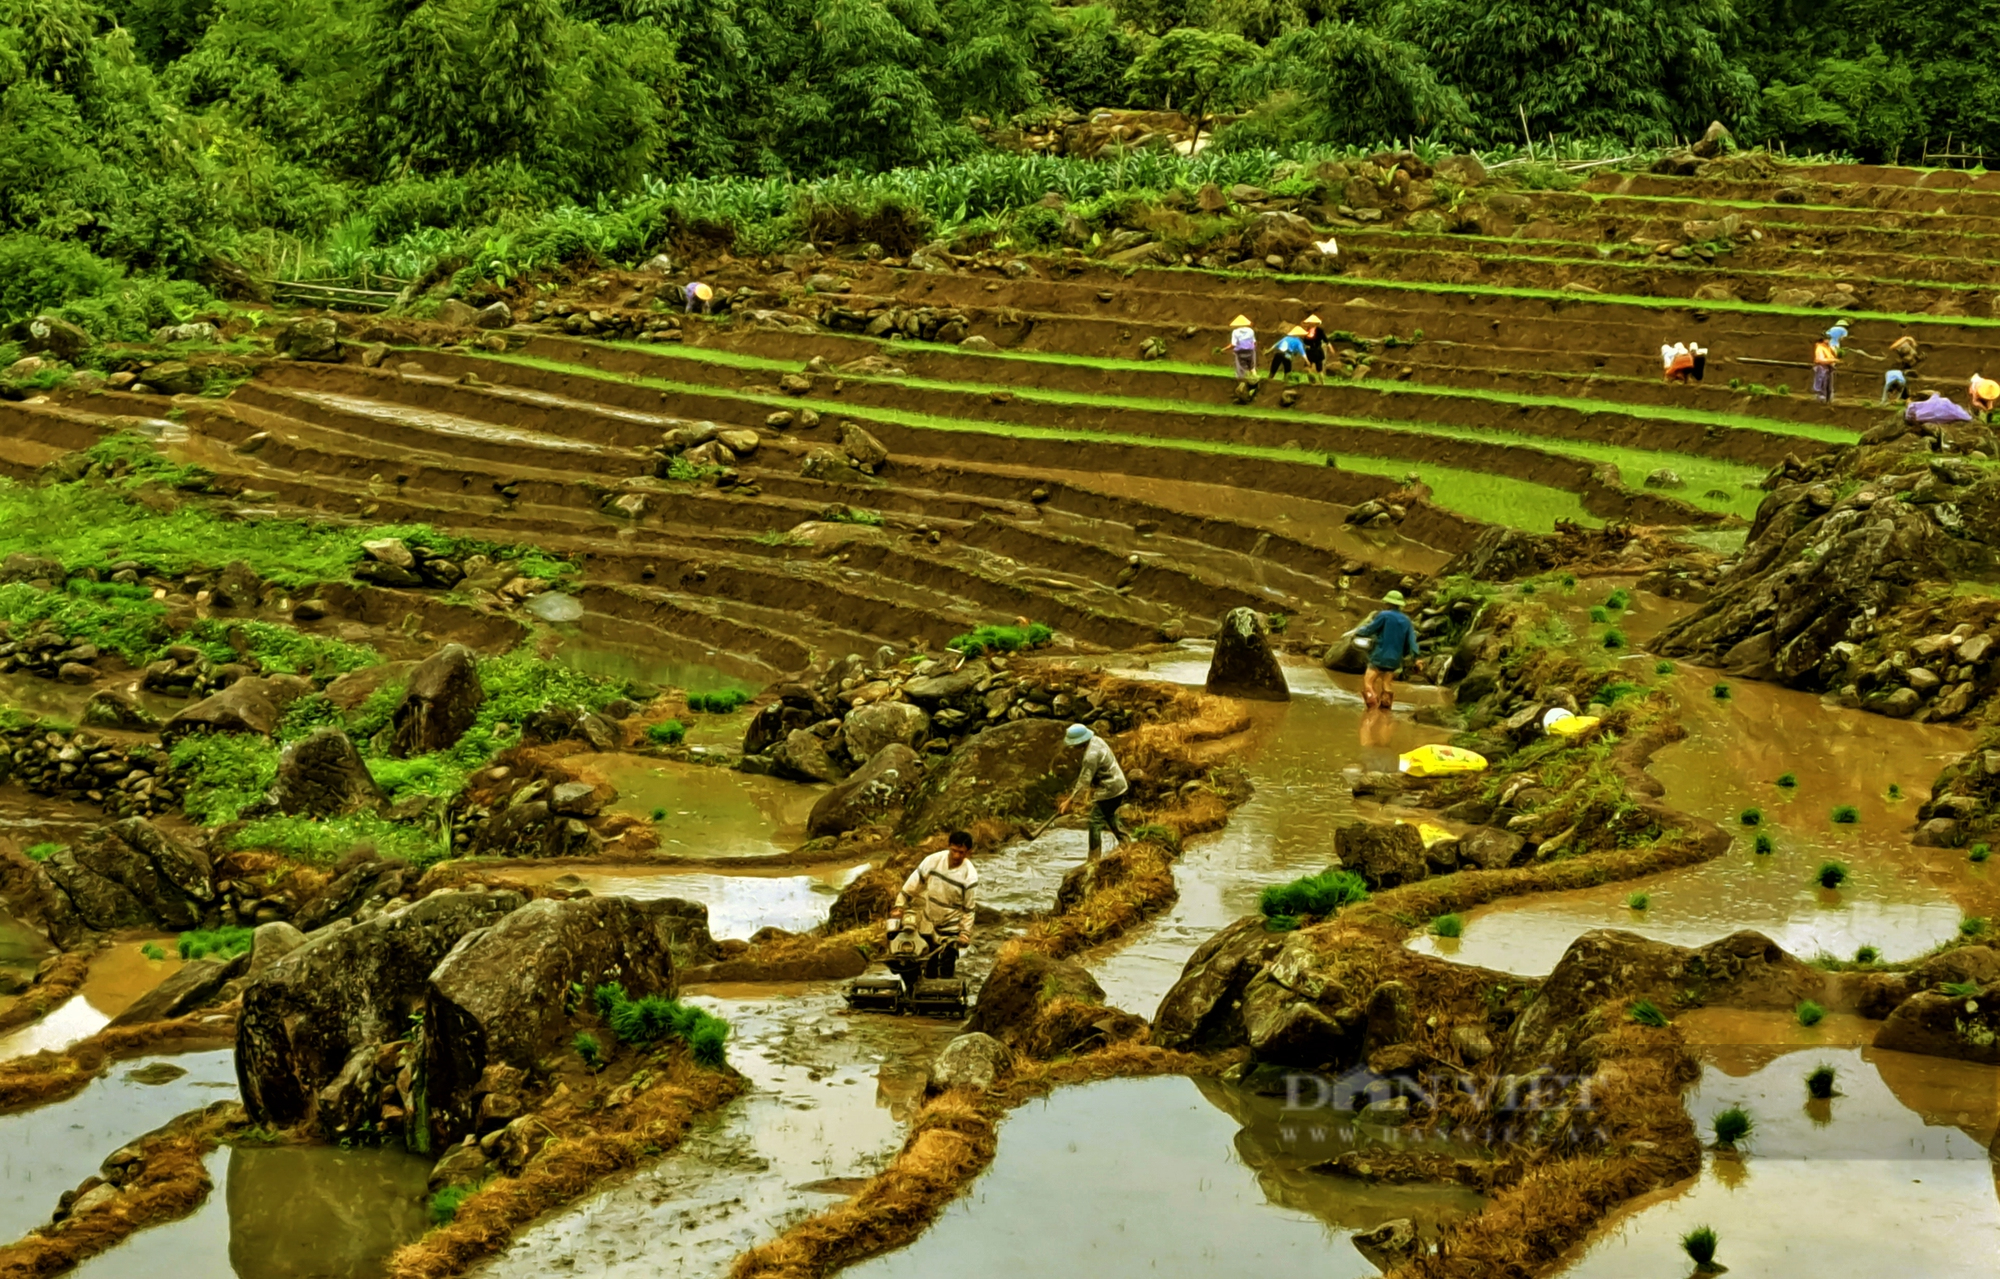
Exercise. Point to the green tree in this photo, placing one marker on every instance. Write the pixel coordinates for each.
(1340, 82)
(1192, 70)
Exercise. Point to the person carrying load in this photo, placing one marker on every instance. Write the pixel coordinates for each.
(940, 892)
(1105, 782)
(1394, 639)
(1243, 342)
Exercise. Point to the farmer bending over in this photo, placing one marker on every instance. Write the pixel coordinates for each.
(1395, 639)
(941, 888)
(1105, 782)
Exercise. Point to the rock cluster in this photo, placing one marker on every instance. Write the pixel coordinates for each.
(128, 874)
(127, 781)
(924, 323)
(393, 562)
(588, 321)
(45, 652)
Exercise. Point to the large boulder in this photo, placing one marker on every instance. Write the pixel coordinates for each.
(497, 999)
(971, 1061)
(1022, 981)
(869, 728)
(1244, 665)
(115, 708)
(1283, 234)
(441, 701)
(803, 756)
(1199, 1012)
(1937, 1024)
(253, 704)
(876, 792)
(1016, 770)
(1385, 854)
(128, 874)
(343, 995)
(1489, 848)
(195, 984)
(316, 339)
(322, 775)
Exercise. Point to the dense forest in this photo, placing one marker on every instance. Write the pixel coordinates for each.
(147, 146)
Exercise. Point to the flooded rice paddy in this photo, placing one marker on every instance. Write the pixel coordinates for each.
(119, 974)
(709, 812)
(740, 903)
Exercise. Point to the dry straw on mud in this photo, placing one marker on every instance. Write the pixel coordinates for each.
(52, 1076)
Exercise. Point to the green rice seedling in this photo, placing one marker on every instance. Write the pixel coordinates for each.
(1732, 1124)
(1599, 614)
(1663, 667)
(1281, 923)
(444, 1204)
(1699, 1245)
(1614, 638)
(1751, 816)
(1790, 781)
(223, 943)
(1567, 581)
(1819, 1081)
(724, 702)
(1972, 926)
(1719, 692)
(1638, 901)
(1763, 844)
(1846, 815)
(1895, 792)
(1448, 926)
(670, 733)
(1979, 852)
(1867, 955)
(1001, 639)
(1830, 874)
(1961, 989)
(588, 1048)
(659, 813)
(1620, 599)
(1321, 894)
(1646, 1013)
(1809, 1013)
(151, 950)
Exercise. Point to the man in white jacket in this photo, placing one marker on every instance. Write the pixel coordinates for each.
(940, 891)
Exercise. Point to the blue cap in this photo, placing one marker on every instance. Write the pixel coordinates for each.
(1837, 332)
(1077, 735)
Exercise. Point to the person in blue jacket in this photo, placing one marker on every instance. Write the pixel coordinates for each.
(1395, 639)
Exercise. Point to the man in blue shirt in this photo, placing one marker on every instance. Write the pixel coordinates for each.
(1395, 639)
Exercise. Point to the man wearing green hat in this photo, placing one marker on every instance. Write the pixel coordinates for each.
(1394, 639)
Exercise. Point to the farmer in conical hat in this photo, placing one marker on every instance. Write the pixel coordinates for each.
(1395, 639)
(699, 297)
(1286, 349)
(1243, 341)
(1314, 339)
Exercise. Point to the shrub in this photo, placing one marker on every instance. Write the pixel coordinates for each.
(444, 1204)
(1751, 816)
(1699, 1245)
(1809, 1013)
(1867, 955)
(38, 274)
(1830, 874)
(1763, 843)
(1663, 667)
(670, 733)
(724, 702)
(1320, 894)
(1646, 1013)
(1720, 692)
(223, 943)
(1001, 639)
(1846, 815)
(1732, 1125)
(1819, 1081)
(1638, 901)
(1789, 781)
(1614, 638)
(1977, 853)
(588, 1048)
(1972, 926)
(1448, 926)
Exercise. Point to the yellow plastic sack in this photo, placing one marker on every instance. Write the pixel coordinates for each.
(1433, 761)
(1574, 725)
(1433, 834)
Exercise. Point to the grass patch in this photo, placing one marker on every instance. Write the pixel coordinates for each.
(1732, 1125)
(1322, 894)
(1809, 1013)
(668, 733)
(1663, 667)
(1820, 1080)
(322, 842)
(1845, 815)
(1619, 600)
(1895, 792)
(1972, 926)
(724, 702)
(222, 773)
(151, 950)
(1448, 926)
(1599, 615)
(1960, 989)
(443, 1206)
(280, 649)
(222, 943)
(43, 851)
(1978, 852)
(1638, 901)
(1646, 1013)
(1001, 639)
(1830, 875)
(421, 775)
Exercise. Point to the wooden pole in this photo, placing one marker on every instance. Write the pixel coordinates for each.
(1524, 131)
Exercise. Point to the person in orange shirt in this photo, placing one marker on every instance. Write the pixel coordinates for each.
(1680, 363)
(1826, 354)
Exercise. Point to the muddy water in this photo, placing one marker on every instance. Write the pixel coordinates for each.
(1295, 753)
(119, 974)
(829, 1097)
(1890, 1177)
(794, 898)
(22, 949)
(709, 811)
(589, 654)
(66, 701)
(1147, 1177)
(48, 1150)
(285, 1212)
(1899, 899)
